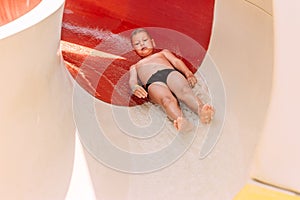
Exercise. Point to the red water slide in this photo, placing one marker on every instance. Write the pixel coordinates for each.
(13, 9)
(103, 26)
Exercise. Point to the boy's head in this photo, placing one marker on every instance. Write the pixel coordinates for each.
(142, 42)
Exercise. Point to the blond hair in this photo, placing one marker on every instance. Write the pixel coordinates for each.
(138, 30)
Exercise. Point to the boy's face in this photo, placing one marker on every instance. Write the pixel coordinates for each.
(142, 44)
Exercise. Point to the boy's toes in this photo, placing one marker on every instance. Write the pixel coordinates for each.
(177, 123)
(207, 113)
(205, 119)
(208, 119)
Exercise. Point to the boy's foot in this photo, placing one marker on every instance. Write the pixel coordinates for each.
(182, 125)
(206, 114)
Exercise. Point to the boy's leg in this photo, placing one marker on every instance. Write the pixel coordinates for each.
(180, 87)
(160, 94)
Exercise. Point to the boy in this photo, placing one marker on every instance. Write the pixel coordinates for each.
(161, 81)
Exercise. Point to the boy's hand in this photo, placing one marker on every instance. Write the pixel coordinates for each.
(139, 91)
(192, 80)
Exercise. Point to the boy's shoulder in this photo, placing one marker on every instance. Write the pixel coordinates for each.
(165, 51)
(133, 66)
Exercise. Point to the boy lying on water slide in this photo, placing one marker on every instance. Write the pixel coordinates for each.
(163, 82)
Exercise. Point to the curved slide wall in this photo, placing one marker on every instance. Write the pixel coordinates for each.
(36, 123)
(277, 161)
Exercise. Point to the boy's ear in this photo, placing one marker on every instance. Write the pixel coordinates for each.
(153, 43)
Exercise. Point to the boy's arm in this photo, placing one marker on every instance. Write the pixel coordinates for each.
(133, 80)
(180, 66)
(136, 89)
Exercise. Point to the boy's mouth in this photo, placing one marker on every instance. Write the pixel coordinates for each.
(144, 48)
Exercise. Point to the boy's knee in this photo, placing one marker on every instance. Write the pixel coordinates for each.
(186, 90)
(166, 101)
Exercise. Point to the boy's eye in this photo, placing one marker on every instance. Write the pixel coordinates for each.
(145, 39)
(137, 43)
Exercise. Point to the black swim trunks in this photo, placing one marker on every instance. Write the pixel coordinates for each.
(159, 76)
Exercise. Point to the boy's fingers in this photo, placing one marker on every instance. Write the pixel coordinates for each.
(141, 93)
(192, 81)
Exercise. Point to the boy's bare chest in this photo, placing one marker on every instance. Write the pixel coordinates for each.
(155, 61)
(149, 65)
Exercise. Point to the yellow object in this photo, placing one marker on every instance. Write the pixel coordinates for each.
(254, 192)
